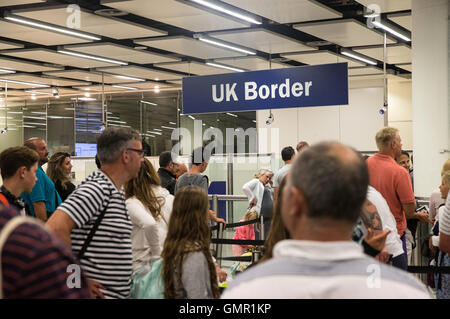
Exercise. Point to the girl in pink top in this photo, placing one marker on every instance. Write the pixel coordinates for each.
(246, 232)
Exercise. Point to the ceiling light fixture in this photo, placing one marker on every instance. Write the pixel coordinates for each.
(51, 28)
(92, 57)
(83, 99)
(156, 89)
(170, 128)
(128, 78)
(123, 87)
(224, 67)
(391, 30)
(146, 102)
(25, 83)
(227, 46)
(172, 123)
(7, 71)
(153, 132)
(359, 57)
(230, 12)
(231, 114)
(37, 92)
(191, 117)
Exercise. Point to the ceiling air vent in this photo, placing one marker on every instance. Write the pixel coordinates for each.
(110, 13)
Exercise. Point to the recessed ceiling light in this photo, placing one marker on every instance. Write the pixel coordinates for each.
(224, 45)
(228, 11)
(92, 57)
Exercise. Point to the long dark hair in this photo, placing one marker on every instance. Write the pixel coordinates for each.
(188, 232)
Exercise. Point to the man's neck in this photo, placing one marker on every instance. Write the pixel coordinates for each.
(115, 174)
(12, 187)
(288, 162)
(387, 152)
(195, 169)
(324, 231)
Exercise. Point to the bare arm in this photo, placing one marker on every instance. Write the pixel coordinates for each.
(370, 216)
(410, 212)
(40, 210)
(61, 224)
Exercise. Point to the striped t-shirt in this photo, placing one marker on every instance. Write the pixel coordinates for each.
(108, 258)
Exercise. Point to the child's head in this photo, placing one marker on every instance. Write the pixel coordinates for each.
(251, 215)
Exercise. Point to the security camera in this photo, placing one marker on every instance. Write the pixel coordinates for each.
(270, 119)
(4, 131)
(55, 91)
(381, 111)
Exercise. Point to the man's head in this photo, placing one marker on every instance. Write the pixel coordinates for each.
(121, 145)
(180, 169)
(301, 146)
(19, 163)
(326, 188)
(287, 153)
(166, 161)
(38, 144)
(388, 141)
(403, 160)
(200, 159)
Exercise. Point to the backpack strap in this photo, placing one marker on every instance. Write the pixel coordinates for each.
(3, 200)
(9, 227)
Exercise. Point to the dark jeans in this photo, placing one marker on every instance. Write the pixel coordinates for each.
(401, 261)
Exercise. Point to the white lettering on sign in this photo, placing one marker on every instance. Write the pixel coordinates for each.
(265, 91)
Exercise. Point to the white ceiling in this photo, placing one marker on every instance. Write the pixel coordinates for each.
(163, 34)
(24, 33)
(395, 54)
(347, 33)
(321, 57)
(262, 40)
(50, 56)
(388, 5)
(176, 13)
(92, 23)
(287, 11)
(140, 72)
(407, 67)
(17, 65)
(115, 51)
(193, 67)
(252, 63)
(189, 46)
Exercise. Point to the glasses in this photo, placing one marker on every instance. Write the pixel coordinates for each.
(140, 152)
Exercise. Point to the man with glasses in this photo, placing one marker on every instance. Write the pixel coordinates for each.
(107, 257)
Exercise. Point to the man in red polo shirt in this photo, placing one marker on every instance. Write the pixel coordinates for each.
(394, 183)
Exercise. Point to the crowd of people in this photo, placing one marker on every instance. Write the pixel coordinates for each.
(336, 224)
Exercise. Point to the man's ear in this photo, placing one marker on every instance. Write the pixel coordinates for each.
(298, 201)
(125, 157)
(21, 171)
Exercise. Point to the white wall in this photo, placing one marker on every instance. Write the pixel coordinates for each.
(400, 110)
(355, 124)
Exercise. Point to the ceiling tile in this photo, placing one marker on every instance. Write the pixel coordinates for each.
(320, 57)
(364, 71)
(407, 67)
(388, 5)
(177, 14)
(140, 72)
(194, 68)
(189, 46)
(43, 80)
(404, 21)
(4, 45)
(92, 23)
(395, 54)
(122, 53)
(262, 40)
(50, 56)
(287, 11)
(346, 33)
(34, 35)
(17, 65)
(87, 76)
(252, 63)
(5, 3)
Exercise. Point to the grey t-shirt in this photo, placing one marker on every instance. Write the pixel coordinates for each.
(280, 175)
(195, 280)
(186, 179)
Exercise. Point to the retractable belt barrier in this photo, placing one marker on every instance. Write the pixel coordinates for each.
(428, 270)
(216, 227)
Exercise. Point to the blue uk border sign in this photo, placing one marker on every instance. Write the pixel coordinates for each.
(301, 86)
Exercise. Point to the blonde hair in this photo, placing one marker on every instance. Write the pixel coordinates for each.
(251, 214)
(445, 167)
(54, 169)
(446, 177)
(385, 136)
(262, 171)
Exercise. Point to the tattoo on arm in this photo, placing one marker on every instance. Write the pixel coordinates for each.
(370, 216)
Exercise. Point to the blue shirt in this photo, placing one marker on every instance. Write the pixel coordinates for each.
(43, 191)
